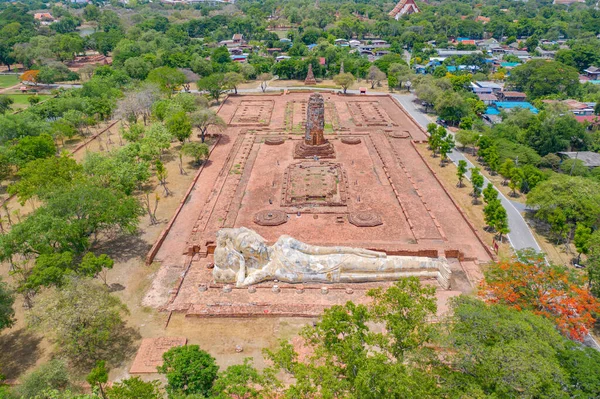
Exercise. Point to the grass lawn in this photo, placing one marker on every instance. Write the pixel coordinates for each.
(8, 80)
(20, 100)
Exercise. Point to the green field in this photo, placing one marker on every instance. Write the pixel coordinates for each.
(8, 80)
(20, 100)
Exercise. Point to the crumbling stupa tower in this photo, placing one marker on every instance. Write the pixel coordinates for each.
(314, 143)
(310, 77)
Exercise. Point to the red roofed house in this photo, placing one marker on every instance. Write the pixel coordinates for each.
(321, 60)
(593, 121)
(45, 18)
(404, 7)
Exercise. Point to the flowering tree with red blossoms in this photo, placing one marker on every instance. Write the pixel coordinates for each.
(555, 292)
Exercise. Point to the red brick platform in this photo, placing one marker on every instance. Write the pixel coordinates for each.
(391, 202)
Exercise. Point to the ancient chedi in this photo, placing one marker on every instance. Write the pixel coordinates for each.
(314, 143)
(310, 77)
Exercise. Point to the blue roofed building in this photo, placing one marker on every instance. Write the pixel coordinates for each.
(510, 105)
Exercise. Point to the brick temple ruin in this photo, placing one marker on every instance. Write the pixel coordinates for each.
(325, 169)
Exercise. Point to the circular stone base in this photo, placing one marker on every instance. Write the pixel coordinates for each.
(351, 140)
(365, 219)
(270, 218)
(396, 134)
(274, 141)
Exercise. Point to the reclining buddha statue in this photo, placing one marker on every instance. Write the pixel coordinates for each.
(243, 257)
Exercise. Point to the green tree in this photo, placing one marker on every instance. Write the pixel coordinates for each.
(581, 239)
(7, 301)
(42, 177)
(32, 147)
(232, 80)
(50, 269)
(577, 200)
(593, 264)
(5, 104)
(70, 221)
(201, 66)
(91, 12)
(220, 55)
(124, 170)
(428, 93)
(574, 167)
(51, 375)
(490, 193)
(489, 212)
(466, 138)
(168, 79)
(516, 178)
(451, 107)
(197, 151)
(350, 359)
(242, 381)
(501, 222)
(189, 370)
(477, 181)
(98, 377)
(206, 118)
(501, 352)
(401, 73)
(556, 131)
(84, 321)
(506, 169)
(214, 85)
(137, 68)
(541, 78)
(492, 159)
(345, 80)
(375, 76)
(446, 146)
(134, 388)
(179, 126)
(461, 170)
(94, 266)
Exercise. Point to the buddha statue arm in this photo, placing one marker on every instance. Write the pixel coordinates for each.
(316, 250)
(256, 277)
(241, 275)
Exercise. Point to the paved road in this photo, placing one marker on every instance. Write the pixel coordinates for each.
(520, 235)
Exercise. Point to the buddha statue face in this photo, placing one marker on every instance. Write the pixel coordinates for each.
(253, 248)
(235, 246)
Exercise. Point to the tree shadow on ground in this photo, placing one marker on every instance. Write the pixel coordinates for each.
(169, 157)
(115, 287)
(19, 350)
(224, 139)
(124, 247)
